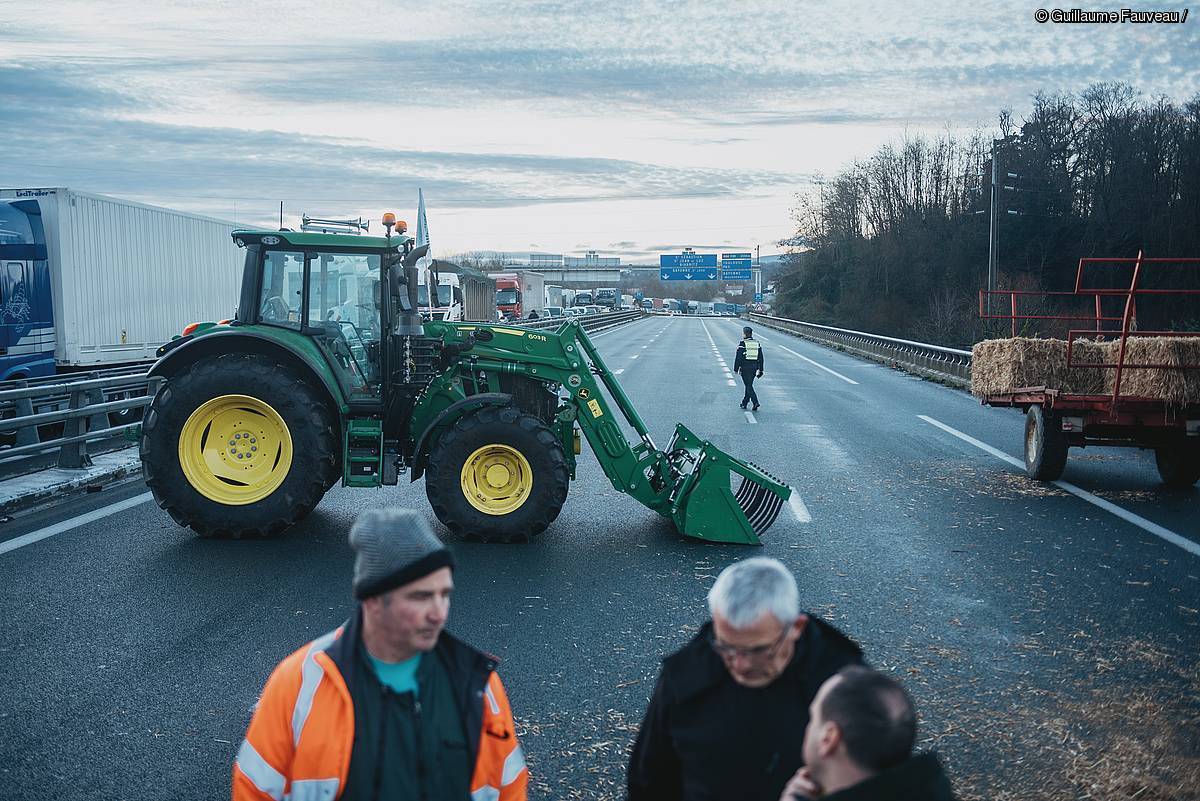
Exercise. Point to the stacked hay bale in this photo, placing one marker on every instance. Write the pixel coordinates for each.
(999, 366)
(1179, 386)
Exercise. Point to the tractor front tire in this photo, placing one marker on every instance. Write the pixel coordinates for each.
(238, 445)
(499, 475)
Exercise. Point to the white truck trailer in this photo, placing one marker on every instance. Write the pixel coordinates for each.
(88, 281)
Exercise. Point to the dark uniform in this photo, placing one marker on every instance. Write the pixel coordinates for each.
(707, 738)
(749, 363)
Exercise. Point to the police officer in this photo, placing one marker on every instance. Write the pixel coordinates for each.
(749, 362)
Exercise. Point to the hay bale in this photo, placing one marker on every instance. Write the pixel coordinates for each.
(1004, 365)
(1179, 386)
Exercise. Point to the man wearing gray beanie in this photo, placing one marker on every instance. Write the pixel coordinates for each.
(389, 705)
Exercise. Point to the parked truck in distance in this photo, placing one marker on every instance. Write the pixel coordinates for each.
(607, 296)
(519, 293)
(584, 297)
(89, 281)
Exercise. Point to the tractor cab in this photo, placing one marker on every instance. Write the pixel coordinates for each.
(327, 283)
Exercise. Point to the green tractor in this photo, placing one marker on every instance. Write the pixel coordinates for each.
(328, 374)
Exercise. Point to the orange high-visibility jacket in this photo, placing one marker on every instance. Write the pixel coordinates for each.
(300, 739)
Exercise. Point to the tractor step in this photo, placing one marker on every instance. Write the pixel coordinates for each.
(362, 453)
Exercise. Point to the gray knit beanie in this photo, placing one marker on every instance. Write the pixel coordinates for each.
(393, 547)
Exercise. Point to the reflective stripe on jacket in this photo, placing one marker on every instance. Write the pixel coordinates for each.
(300, 739)
(749, 356)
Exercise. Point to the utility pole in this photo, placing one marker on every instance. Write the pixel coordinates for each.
(757, 275)
(993, 229)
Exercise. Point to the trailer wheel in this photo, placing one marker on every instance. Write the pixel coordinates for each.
(499, 475)
(1178, 465)
(238, 446)
(1045, 445)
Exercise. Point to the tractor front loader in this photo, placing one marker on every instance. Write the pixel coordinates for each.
(329, 373)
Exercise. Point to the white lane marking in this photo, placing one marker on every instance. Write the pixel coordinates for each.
(1126, 515)
(74, 522)
(750, 416)
(798, 508)
(618, 372)
(645, 346)
(634, 356)
(817, 364)
(731, 382)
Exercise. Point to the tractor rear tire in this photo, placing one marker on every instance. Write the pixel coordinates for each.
(522, 451)
(1045, 445)
(1178, 465)
(175, 431)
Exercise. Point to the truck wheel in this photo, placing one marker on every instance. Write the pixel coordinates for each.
(238, 446)
(499, 475)
(1045, 445)
(1178, 465)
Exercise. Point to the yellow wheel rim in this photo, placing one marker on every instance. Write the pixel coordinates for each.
(497, 479)
(235, 450)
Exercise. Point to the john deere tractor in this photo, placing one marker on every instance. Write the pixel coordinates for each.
(329, 374)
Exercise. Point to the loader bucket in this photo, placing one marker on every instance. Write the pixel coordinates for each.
(720, 498)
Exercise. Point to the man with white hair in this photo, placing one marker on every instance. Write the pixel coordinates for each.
(726, 720)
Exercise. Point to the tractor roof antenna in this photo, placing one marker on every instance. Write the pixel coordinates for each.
(334, 226)
(281, 215)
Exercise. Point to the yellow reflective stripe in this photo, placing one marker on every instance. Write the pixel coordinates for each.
(260, 773)
(751, 350)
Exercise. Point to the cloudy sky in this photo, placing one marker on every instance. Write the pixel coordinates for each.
(631, 128)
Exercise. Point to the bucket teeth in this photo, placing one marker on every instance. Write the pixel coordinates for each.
(760, 506)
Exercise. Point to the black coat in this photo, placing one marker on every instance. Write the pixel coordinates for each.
(919, 779)
(707, 738)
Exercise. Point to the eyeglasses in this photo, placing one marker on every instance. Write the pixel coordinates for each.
(727, 651)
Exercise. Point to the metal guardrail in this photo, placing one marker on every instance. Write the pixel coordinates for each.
(89, 402)
(948, 365)
(589, 322)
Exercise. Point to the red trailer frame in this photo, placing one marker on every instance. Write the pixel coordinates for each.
(1058, 420)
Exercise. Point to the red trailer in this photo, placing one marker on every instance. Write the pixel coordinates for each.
(1056, 421)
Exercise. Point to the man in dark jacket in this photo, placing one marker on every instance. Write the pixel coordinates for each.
(858, 745)
(749, 364)
(722, 722)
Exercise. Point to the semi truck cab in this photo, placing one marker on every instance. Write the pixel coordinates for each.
(27, 337)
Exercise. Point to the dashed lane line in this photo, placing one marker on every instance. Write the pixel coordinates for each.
(750, 416)
(73, 523)
(798, 508)
(1126, 515)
